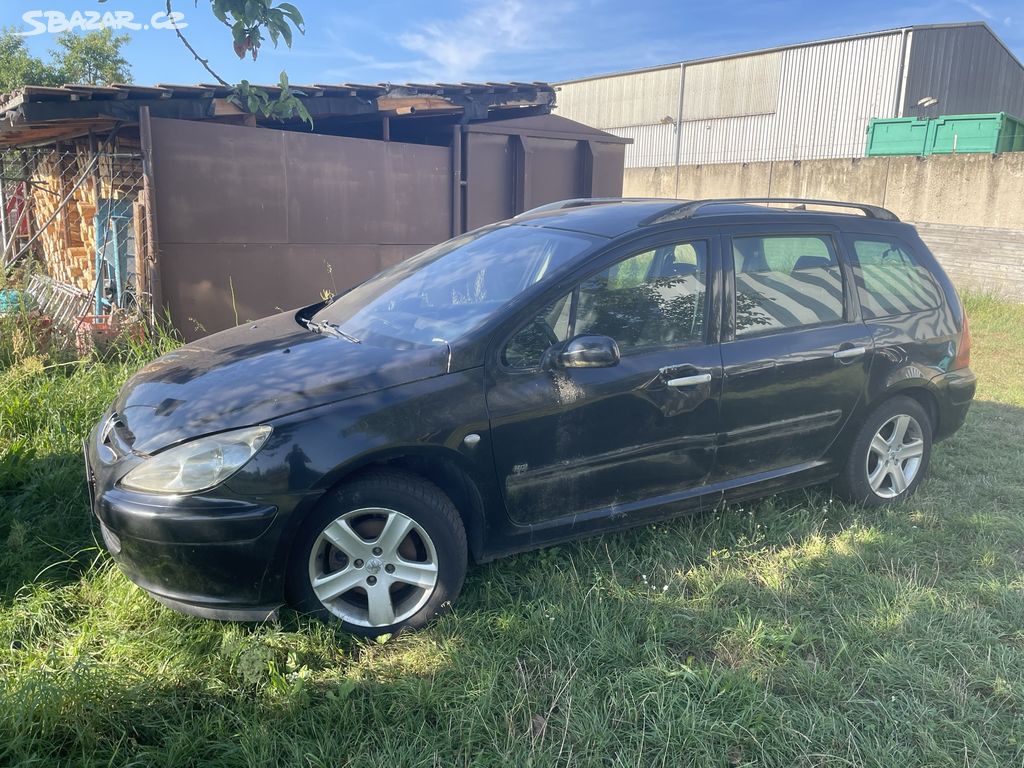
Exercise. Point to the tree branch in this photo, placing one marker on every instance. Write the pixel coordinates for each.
(188, 45)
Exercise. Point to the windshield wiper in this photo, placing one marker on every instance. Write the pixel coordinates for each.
(331, 329)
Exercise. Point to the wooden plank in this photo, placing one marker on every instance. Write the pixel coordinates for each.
(187, 91)
(143, 91)
(309, 91)
(46, 93)
(96, 91)
(224, 108)
(336, 90)
(411, 104)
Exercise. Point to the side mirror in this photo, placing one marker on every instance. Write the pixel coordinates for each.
(583, 352)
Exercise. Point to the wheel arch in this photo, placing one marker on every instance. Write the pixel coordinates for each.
(919, 390)
(444, 468)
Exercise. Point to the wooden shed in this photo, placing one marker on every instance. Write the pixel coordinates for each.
(174, 200)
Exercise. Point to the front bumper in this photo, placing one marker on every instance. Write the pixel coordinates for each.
(208, 556)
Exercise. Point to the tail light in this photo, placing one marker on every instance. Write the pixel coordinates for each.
(963, 351)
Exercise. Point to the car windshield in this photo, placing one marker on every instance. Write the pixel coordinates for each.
(447, 291)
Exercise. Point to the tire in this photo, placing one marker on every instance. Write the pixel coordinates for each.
(880, 470)
(382, 553)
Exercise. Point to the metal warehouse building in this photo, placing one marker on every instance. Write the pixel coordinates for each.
(798, 102)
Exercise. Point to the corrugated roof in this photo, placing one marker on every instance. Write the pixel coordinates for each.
(37, 114)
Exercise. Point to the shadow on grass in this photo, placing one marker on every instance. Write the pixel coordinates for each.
(45, 523)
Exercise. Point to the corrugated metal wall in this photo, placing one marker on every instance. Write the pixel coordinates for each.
(653, 145)
(966, 69)
(747, 85)
(620, 101)
(797, 103)
(825, 96)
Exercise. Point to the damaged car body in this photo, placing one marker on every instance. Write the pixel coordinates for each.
(585, 367)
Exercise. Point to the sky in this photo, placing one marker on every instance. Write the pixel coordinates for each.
(400, 41)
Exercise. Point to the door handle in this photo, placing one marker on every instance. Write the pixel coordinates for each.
(850, 353)
(689, 381)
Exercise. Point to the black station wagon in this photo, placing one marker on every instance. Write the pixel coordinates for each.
(587, 366)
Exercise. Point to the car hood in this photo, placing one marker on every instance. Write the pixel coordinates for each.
(254, 373)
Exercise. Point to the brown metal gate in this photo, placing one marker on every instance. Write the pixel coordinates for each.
(253, 220)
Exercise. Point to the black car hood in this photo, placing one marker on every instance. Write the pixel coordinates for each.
(254, 373)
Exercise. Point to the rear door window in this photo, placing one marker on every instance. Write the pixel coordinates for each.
(890, 278)
(785, 282)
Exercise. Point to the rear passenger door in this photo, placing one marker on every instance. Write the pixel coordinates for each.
(795, 355)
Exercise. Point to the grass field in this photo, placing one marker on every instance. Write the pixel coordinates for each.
(793, 632)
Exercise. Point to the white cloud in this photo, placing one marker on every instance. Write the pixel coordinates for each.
(979, 9)
(459, 48)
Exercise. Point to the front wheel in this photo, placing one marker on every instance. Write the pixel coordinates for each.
(890, 454)
(382, 553)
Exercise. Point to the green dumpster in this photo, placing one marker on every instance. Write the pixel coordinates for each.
(961, 134)
(896, 136)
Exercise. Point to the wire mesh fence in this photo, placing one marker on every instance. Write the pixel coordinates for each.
(77, 214)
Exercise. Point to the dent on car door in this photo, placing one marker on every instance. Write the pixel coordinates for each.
(614, 439)
(795, 354)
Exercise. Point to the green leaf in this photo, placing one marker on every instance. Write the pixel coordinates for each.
(220, 11)
(252, 12)
(302, 112)
(286, 33)
(284, 79)
(238, 32)
(293, 14)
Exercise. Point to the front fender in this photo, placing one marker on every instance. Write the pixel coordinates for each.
(311, 452)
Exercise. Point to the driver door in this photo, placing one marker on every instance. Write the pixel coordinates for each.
(613, 440)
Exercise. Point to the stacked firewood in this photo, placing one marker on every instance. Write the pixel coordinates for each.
(68, 241)
(64, 240)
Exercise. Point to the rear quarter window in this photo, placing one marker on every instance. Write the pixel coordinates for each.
(891, 280)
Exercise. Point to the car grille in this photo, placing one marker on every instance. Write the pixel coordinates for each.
(116, 437)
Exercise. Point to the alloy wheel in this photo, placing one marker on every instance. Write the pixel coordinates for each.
(373, 567)
(894, 456)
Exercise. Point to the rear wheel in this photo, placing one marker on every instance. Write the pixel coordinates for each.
(890, 454)
(383, 553)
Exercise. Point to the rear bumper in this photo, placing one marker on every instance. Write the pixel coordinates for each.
(212, 557)
(955, 393)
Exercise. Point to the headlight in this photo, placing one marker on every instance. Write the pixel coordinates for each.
(198, 465)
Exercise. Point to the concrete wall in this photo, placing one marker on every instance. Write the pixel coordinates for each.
(970, 208)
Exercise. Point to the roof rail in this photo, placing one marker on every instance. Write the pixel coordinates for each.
(690, 209)
(580, 202)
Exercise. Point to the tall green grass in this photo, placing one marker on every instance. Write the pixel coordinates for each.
(796, 631)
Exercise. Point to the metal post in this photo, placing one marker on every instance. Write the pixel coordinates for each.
(901, 75)
(520, 174)
(587, 166)
(679, 127)
(149, 190)
(457, 226)
(3, 200)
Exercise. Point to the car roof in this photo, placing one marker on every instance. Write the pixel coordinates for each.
(614, 217)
